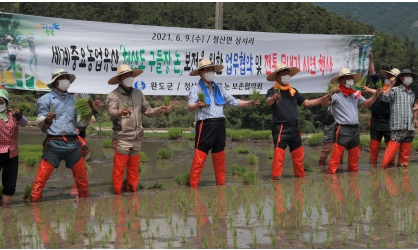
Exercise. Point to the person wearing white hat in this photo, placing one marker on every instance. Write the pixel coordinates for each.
(12, 53)
(125, 107)
(57, 119)
(379, 121)
(210, 127)
(285, 129)
(345, 110)
(402, 120)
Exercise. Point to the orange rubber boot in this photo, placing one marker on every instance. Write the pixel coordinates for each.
(80, 177)
(404, 152)
(44, 172)
(392, 162)
(278, 163)
(353, 156)
(219, 167)
(119, 163)
(390, 152)
(132, 173)
(197, 166)
(335, 159)
(374, 151)
(297, 159)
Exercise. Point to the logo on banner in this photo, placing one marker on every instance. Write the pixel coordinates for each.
(140, 86)
(49, 29)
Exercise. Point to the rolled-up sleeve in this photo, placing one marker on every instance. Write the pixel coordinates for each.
(229, 99)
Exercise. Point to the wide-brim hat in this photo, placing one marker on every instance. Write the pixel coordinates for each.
(345, 72)
(8, 37)
(403, 72)
(280, 67)
(204, 63)
(395, 72)
(59, 72)
(123, 69)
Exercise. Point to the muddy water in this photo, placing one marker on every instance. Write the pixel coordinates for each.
(373, 208)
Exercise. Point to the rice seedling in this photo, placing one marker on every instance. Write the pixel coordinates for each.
(157, 185)
(252, 159)
(201, 97)
(249, 178)
(182, 179)
(237, 170)
(85, 109)
(107, 143)
(27, 191)
(259, 135)
(255, 95)
(174, 133)
(379, 84)
(167, 103)
(255, 241)
(235, 242)
(163, 153)
(243, 150)
(330, 88)
(125, 106)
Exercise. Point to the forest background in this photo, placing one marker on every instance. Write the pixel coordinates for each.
(389, 50)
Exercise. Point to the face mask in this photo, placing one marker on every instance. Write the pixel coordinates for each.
(64, 84)
(285, 79)
(128, 82)
(349, 83)
(209, 76)
(407, 81)
(388, 82)
(2, 107)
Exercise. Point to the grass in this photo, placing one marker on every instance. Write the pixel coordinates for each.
(107, 143)
(143, 157)
(252, 159)
(249, 178)
(237, 170)
(315, 139)
(190, 136)
(174, 133)
(182, 179)
(27, 191)
(243, 150)
(163, 153)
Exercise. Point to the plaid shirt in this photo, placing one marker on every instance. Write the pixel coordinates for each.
(9, 134)
(401, 103)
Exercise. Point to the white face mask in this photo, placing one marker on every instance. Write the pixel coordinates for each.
(388, 82)
(285, 79)
(3, 107)
(128, 82)
(64, 84)
(209, 76)
(407, 80)
(349, 83)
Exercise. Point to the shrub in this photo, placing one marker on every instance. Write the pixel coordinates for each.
(243, 150)
(27, 191)
(174, 133)
(163, 153)
(143, 157)
(315, 139)
(236, 170)
(252, 159)
(182, 179)
(249, 178)
(107, 143)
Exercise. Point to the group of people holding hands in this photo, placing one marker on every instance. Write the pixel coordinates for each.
(392, 118)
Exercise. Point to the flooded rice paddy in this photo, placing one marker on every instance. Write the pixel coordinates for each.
(373, 208)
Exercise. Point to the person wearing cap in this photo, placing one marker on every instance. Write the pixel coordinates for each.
(379, 121)
(210, 125)
(344, 105)
(10, 120)
(402, 119)
(286, 130)
(57, 119)
(125, 107)
(12, 53)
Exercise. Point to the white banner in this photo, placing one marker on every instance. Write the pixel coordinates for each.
(93, 50)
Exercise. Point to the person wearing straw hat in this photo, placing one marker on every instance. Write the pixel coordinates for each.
(344, 106)
(402, 119)
(125, 107)
(286, 130)
(379, 121)
(10, 121)
(57, 119)
(210, 125)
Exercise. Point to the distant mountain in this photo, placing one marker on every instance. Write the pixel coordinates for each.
(394, 18)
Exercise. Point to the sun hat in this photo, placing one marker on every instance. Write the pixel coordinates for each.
(8, 37)
(204, 63)
(59, 72)
(403, 72)
(281, 67)
(122, 69)
(395, 72)
(345, 72)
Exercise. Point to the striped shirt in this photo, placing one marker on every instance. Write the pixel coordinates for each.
(212, 111)
(401, 103)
